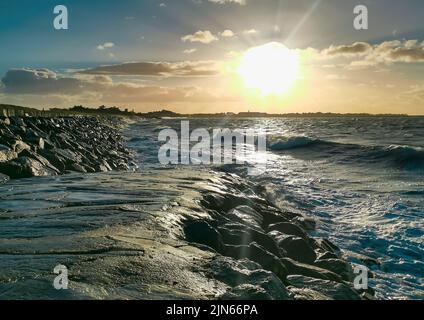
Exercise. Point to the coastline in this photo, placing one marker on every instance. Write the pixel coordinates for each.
(218, 236)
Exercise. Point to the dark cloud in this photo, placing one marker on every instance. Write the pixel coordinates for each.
(408, 54)
(181, 69)
(356, 48)
(43, 82)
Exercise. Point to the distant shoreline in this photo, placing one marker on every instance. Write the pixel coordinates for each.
(12, 110)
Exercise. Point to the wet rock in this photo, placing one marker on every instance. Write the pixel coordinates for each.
(327, 255)
(327, 245)
(297, 268)
(297, 248)
(4, 178)
(5, 121)
(307, 294)
(20, 146)
(306, 223)
(260, 255)
(77, 167)
(248, 215)
(202, 232)
(337, 266)
(25, 167)
(331, 289)
(56, 160)
(6, 154)
(236, 234)
(246, 292)
(238, 272)
(39, 158)
(289, 229)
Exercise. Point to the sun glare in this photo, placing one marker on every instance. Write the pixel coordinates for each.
(272, 68)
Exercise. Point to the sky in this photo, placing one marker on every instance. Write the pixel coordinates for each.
(186, 55)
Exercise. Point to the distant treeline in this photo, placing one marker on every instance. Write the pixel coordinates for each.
(11, 110)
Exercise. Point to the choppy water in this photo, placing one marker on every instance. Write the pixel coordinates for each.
(362, 178)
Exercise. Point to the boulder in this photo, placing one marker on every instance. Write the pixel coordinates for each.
(6, 154)
(331, 289)
(297, 268)
(288, 229)
(25, 167)
(260, 255)
(337, 266)
(200, 231)
(297, 249)
(4, 178)
(20, 146)
(238, 234)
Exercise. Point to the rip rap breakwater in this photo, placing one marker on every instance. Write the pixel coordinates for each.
(38, 146)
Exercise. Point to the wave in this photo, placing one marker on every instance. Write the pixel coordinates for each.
(406, 157)
(280, 143)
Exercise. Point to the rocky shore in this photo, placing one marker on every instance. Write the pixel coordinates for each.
(267, 253)
(39, 146)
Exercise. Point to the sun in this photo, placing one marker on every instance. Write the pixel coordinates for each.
(271, 68)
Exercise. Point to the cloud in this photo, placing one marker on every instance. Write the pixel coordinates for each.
(363, 54)
(180, 69)
(240, 2)
(106, 45)
(357, 48)
(98, 89)
(228, 33)
(162, 5)
(204, 37)
(189, 51)
(44, 81)
(250, 31)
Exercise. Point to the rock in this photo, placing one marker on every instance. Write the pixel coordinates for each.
(248, 215)
(6, 154)
(56, 160)
(288, 229)
(77, 167)
(238, 272)
(39, 158)
(337, 266)
(20, 146)
(327, 255)
(202, 232)
(327, 245)
(297, 268)
(307, 294)
(306, 223)
(246, 292)
(260, 255)
(25, 167)
(297, 249)
(331, 289)
(6, 121)
(238, 234)
(4, 178)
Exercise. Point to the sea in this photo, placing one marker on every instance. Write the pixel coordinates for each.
(361, 178)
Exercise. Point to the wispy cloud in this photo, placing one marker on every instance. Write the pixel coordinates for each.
(106, 45)
(204, 37)
(167, 69)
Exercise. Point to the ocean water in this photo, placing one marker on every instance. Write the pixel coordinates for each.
(361, 178)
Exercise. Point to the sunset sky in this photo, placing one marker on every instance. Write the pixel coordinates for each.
(187, 55)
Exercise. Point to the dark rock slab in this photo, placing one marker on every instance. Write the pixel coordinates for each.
(297, 268)
(330, 289)
(25, 167)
